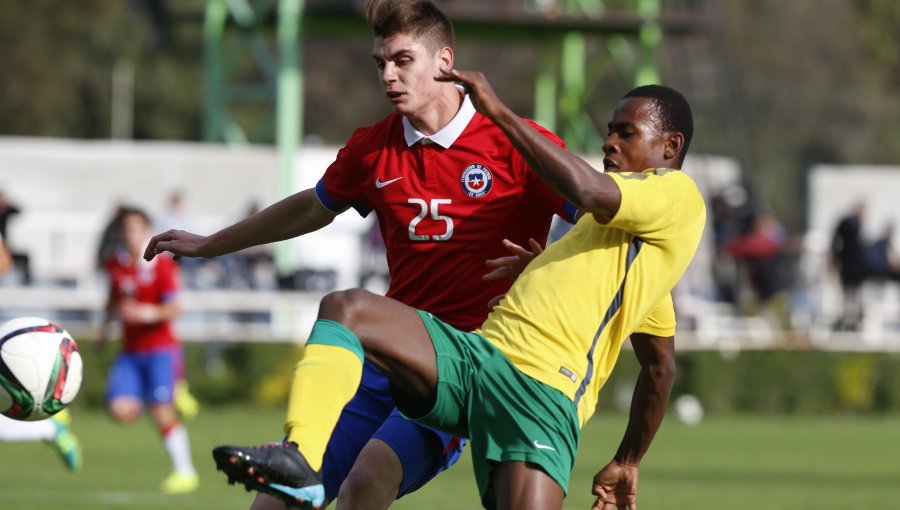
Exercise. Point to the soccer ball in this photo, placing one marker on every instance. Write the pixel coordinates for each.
(40, 368)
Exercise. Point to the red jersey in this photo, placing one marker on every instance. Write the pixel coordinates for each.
(444, 204)
(145, 282)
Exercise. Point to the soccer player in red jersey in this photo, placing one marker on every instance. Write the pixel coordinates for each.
(447, 188)
(143, 294)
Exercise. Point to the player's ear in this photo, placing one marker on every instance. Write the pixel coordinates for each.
(674, 145)
(445, 57)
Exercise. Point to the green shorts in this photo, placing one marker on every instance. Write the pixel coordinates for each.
(507, 415)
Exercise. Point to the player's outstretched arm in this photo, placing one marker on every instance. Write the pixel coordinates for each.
(293, 216)
(616, 484)
(572, 177)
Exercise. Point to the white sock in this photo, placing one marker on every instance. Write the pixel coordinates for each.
(179, 448)
(15, 430)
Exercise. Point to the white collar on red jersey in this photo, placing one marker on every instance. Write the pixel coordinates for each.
(449, 133)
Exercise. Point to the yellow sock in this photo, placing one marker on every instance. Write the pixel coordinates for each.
(323, 382)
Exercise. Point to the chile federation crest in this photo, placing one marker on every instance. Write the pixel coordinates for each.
(476, 180)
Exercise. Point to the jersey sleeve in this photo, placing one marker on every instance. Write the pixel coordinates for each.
(167, 279)
(537, 189)
(655, 203)
(660, 321)
(342, 184)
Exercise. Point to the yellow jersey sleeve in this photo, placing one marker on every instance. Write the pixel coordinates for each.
(661, 321)
(655, 203)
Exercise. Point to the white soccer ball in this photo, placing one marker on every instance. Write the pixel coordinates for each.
(40, 368)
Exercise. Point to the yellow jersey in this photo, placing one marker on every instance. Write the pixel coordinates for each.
(565, 318)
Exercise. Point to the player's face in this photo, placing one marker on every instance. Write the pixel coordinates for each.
(407, 68)
(135, 232)
(635, 140)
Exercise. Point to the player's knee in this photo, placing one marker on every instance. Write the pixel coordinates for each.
(164, 415)
(343, 306)
(124, 410)
(370, 486)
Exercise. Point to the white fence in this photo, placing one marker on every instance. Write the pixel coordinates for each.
(67, 191)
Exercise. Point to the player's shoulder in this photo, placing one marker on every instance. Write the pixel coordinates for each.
(379, 132)
(485, 123)
(667, 183)
(544, 131)
(683, 179)
(669, 175)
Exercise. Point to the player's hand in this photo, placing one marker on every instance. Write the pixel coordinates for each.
(513, 265)
(496, 300)
(177, 242)
(483, 97)
(616, 487)
(133, 312)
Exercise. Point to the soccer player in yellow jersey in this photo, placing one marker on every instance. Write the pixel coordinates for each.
(522, 385)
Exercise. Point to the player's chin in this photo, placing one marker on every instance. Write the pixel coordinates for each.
(402, 108)
(403, 105)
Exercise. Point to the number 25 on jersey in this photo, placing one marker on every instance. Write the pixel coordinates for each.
(430, 208)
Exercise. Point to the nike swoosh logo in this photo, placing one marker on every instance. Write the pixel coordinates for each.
(540, 446)
(379, 184)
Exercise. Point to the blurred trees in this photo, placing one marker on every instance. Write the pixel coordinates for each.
(811, 80)
(818, 84)
(56, 59)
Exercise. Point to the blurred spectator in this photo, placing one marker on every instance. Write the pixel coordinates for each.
(19, 260)
(883, 262)
(731, 214)
(848, 254)
(760, 255)
(255, 261)
(760, 247)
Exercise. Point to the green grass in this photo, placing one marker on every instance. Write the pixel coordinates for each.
(724, 463)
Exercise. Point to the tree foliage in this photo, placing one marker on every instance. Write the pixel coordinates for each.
(810, 80)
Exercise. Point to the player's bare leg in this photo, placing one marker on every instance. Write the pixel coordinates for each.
(524, 485)
(352, 324)
(394, 339)
(183, 478)
(125, 409)
(374, 481)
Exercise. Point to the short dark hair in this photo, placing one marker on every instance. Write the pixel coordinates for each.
(420, 18)
(674, 110)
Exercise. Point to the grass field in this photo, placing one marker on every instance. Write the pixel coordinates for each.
(723, 463)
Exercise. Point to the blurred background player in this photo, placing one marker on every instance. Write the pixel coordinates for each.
(55, 430)
(111, 244)
(447, 188)
(143, 295)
